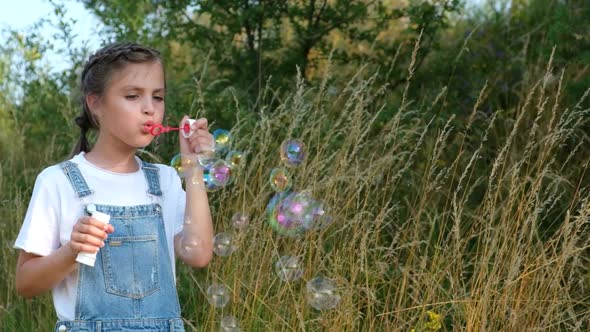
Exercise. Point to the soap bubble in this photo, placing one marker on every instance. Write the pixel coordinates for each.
(240, 220)
(183, 164)
(230, 324)
(288, 268)
(292, 152)
(217, 174)
(321, 294)
(189, 246)
(280, 179)
(218, 295)
(235, 158)
(223, 245)
(222, 140)
(279, 221)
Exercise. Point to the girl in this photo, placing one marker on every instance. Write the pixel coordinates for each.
(131, 287)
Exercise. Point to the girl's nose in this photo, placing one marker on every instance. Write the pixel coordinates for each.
(148, 108)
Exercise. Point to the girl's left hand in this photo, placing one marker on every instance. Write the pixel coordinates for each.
(201, 141)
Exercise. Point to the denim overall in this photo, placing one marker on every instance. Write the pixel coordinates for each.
(131, 286)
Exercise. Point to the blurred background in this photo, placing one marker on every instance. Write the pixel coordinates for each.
(449, 137)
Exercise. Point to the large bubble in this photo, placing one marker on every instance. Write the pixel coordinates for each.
(321, 294)
(289, 268)
(217, 174)
(218, 295)
(280, 179)
(292, 152)
(223, 245)
(279, 221)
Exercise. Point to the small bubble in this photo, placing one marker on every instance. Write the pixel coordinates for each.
(280, 179)
(288, 268)
(321, 294)
(292, 152)
(230, 324)
(223, 245)
(240, 220)
(218, 295)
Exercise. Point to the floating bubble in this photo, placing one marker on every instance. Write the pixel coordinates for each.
(230, 324)
(279, 221)
(216, 175)
(223, 245)
(222, 140)
(280, 179)
(321, 294)
(288, 268)
(189, 246)
(235, 158)
(218, 295)
(240, 220)
(292, 152)
(183, 164)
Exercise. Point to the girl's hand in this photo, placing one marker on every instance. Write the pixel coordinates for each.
(201, 141)
(88, 234)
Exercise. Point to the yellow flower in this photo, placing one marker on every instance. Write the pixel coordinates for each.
(434, 321)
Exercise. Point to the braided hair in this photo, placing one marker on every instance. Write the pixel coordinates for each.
(96, 74)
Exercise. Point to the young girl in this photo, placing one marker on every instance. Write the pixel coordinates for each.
(132, 286)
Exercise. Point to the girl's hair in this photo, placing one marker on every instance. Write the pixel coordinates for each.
(96, 74)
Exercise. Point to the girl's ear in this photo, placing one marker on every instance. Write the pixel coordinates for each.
(93, 102)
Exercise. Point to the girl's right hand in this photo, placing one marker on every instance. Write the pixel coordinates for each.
(88, 234)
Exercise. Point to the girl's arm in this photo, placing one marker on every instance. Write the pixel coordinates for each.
(37, 274)
(194, 245)
(196, 235)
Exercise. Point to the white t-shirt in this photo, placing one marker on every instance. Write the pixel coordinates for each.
(55, 208)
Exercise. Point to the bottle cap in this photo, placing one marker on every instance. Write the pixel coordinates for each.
(86, 258)
(190, 123)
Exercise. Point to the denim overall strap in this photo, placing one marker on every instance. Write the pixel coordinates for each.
(152, 175)
(76, 179)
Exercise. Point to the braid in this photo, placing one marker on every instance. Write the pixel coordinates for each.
(96, 74)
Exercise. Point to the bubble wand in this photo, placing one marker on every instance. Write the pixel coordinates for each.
(156, 129)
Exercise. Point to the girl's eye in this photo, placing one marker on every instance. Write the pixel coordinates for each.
(131, 97)
(158, 98)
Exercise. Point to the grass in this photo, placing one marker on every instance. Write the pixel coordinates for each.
(481, 219)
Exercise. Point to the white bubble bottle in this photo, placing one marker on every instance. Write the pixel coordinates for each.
(88, 258)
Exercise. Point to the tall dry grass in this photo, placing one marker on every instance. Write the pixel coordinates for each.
(481, 218)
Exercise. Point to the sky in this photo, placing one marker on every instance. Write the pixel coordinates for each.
(21, 14)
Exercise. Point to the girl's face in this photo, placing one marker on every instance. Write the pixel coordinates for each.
(133, 96)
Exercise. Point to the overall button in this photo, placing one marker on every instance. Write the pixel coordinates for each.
(157, 208)
(62, 328)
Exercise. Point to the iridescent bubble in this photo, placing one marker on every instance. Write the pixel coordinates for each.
(183, 164)
(288, 268)
(235, 158)
(230, 324)
(218, 295)
(321, 294)
(240, 220)
(223, 245)
(292, 152)
(280, 179)
(222, 140)
(279, 221)
(217, 175)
